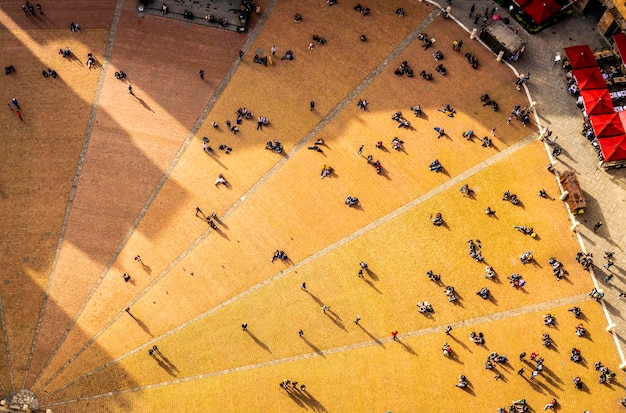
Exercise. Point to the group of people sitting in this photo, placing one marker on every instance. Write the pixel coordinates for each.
(120, 75)
(512, 198)
(402, 121)
(441, 69)
(396, 143)
(352, 201)
(188, 15)
(221, 180)
(526, 257)
(65, 52)
(74, 27)
(426, 41)
(451, 294)
(436, 166)
(426, 76)
(472, 60)
(404, 69)
(319, 39)
(585, 259)
(362, 104)
(516, 280)
(483, 293)
(30, 10)
(288, 56)
(474, 251)
(275, 146)
(557, 268)
(432, 276)
(488, 102)
(363, 10)
(49, 73)
(521, 113)
(9, 69)
(279, 255)
(91, 61)
(606, 376)
(262, 60)
(437, 219)
(477, 339)
(437, 55)
(326, 171)
(448, 110)
(425, 307)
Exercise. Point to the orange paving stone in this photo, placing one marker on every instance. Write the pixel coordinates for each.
(108, 203)
(388, 287)
(189, 169)
(148, 131)
(401, 377)
(38, 164)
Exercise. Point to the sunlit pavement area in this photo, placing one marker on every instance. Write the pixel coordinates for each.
(95, 176)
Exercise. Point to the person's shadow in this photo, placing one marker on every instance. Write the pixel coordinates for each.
(259, 342)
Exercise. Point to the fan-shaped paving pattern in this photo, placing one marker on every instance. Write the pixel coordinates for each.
(142, 172)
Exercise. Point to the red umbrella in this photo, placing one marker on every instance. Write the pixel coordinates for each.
(607, 125)
(581, 56)
(597, 102)
(614, 148)
(589, 78)
(542, 10)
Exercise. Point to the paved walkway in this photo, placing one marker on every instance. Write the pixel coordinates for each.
(605, 192)
(576, 299)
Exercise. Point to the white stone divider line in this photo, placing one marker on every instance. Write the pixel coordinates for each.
(216, 95)
(515, 312)
(406, 207)
(77, 176)
(331, 115)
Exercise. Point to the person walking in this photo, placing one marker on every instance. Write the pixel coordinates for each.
(357, 319)
(19, 115)
(301, 333)
(202, 74)
(199, 211)
(303, 286)
(312, 105)
(244, 326)
(361, 149)
(273, 50)
(241, 54)
(394, 334)
(597, 226)
(14, 101)
(472, 9)
(448, 329)
(130, 90)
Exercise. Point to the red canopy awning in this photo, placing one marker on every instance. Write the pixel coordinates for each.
(581, 56)
(542, 10)
(620, 43)
(589, 78)
(614, 148)
(608, 125)
(597, 101)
